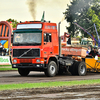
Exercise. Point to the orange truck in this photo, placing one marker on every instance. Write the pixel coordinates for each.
(37, 47)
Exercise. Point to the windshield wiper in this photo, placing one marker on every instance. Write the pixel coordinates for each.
(26, 43)
(17, 44)
(35, 43)
(31, 43)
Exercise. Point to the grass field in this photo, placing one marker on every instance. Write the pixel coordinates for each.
(47, 84)
(6, 68)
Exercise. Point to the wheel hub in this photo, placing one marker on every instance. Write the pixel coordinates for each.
(82, 69)
(52, 69)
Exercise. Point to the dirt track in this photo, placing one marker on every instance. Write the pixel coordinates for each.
(13, 77)
(59, 93)
(55, 93)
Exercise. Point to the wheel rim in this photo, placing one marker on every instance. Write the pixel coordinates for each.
(82, 69)
(52, 69)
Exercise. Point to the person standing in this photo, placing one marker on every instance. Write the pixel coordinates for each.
(89, 50)
(93, 52)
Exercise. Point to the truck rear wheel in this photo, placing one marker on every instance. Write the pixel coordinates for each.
(51, 69)
(81, 68)
(23, 71)
(61, 70)
(72, 69)
(78, 68)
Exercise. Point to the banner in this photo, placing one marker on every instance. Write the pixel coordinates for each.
(5, 60)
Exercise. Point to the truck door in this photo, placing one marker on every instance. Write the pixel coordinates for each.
(47, 44)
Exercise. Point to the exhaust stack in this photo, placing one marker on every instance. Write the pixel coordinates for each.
(59, 38)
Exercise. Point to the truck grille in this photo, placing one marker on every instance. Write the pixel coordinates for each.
(25, 60)
(26, 53)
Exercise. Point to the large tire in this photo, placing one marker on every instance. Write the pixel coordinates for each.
(23, 71)
(51, 69)
(78, 68)
(72, 69)
(61, 70)
(81, 68)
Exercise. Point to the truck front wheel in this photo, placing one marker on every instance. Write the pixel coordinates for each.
(51, 69)
(23, 71)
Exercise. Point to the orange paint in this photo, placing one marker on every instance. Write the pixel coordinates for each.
(6, 32)
(3, 31)
(75, 51)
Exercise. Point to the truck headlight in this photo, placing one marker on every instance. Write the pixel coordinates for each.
(38, 60)
(15, 61)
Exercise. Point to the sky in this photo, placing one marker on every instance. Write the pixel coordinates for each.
(20, 11)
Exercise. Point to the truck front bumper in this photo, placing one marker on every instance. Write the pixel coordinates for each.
(28, 66)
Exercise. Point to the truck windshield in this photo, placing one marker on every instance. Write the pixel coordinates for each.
(27, 39)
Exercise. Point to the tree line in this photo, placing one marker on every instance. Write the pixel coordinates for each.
(85, 13)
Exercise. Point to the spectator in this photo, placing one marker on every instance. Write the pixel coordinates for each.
(3, 51)
(89, 50)
(93, 52)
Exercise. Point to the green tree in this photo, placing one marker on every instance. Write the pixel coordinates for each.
(94, 14)
(14, 22)
(81, 11)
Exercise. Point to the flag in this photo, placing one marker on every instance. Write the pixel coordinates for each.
(42, 20)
